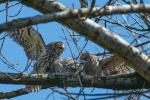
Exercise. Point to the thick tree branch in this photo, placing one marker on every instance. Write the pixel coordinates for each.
(99, 35)
(12, 94)
(118, 82)
(75, 13)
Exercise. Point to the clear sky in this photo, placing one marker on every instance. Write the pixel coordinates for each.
(50, 32)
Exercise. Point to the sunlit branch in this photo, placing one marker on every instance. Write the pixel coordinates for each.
(118, 82)
(76, 13)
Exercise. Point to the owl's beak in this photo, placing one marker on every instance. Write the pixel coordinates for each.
(63, 45)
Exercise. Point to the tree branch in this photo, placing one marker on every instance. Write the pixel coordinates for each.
(12, 94)
(75, 13)
(118, 82)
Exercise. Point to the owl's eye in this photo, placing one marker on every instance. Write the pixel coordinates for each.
(61, 48)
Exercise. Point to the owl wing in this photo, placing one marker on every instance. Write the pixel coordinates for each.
(29, 39)
(113, 65)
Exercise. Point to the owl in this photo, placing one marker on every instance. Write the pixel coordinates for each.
(48, 57)
(35, 49)
(89, 62)
(103, 67)
(112, 66)
(65, 66)
(70, 65)
(48, 61)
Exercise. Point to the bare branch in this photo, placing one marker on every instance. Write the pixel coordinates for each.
(23, 91)
(63, 15)
(12, 94)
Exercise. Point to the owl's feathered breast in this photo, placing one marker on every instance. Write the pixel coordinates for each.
(49, 57)
(90, 63)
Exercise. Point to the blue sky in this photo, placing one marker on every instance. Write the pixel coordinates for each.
(50, 32)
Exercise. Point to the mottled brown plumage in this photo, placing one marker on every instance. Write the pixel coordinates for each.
(47, 61)
(103, 67)
(89, 63)
(70, 66)
(35, 49)
(47, 57)
(113, 65)
(29, 39)
(66, 66)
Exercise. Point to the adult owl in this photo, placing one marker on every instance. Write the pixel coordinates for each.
(46, 61)
(48, 56)
(35, 49)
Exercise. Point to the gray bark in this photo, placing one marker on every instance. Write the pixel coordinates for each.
(75, 13)
(117, 82)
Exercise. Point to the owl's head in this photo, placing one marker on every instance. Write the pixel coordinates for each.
(56, 47)
(88, 58)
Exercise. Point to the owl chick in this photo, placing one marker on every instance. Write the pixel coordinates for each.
(89, 62)
(70, 65)
(65, 66)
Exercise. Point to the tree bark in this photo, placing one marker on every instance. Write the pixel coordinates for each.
(75, 13)
(118, 82)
